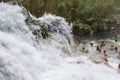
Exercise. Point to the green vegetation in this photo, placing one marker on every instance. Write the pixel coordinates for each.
(84, 14)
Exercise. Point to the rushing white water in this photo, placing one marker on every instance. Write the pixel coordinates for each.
(22, 58)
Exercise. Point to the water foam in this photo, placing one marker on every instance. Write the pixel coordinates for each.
(22, 58)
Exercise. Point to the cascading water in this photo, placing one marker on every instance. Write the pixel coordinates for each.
(22, 58)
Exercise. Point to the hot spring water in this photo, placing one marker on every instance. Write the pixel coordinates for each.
(22, 58)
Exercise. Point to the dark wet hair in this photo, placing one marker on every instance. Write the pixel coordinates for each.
(106, 60)
(101, 45)
(91, 44)
(83, 48)
(97, 48)
(116, 48)
(116, 40)
(119, 66)
(104, 51)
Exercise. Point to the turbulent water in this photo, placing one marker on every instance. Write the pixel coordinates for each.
(22, 58)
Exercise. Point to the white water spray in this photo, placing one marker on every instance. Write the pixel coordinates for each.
(21, 58)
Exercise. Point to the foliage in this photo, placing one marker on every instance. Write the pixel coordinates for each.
(84, 14)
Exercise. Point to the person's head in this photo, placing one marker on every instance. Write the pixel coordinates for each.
(106, 60)
(97, 48)
(116, 40)
(119, 66)
(116, 48)
(113, 28)
(104, 51)
(91, 44)
(83, 48)
(101, 45)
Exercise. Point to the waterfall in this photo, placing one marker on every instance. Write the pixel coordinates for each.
(24, 58)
